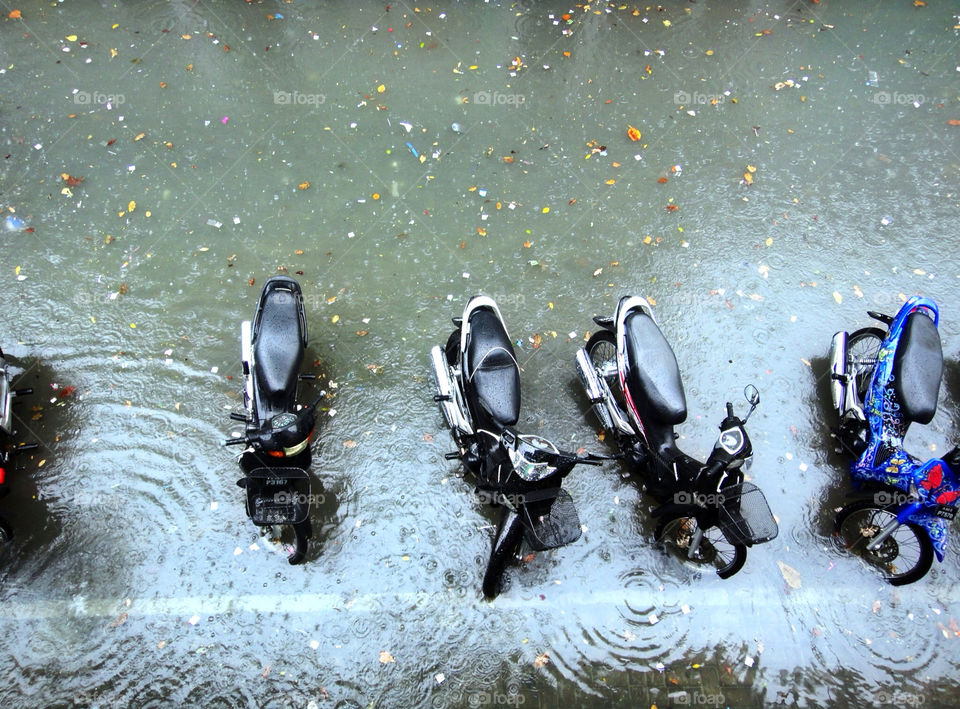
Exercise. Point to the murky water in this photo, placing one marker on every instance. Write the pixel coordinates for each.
(319, 139)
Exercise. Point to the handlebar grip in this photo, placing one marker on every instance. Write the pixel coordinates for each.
(234, 441)
(729, 410)
(239, 417)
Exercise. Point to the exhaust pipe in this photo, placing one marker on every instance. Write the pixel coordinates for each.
(838, 372)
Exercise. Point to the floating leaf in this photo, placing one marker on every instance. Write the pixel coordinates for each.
(541, 660)
(303, 186)
(386, 658)
(633, 134)
(15, 15)
(790, 575)
(662, 180)
(672, 208)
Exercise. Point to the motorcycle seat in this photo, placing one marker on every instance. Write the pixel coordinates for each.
(918, 368)
(278, 346)
(653, 377)
(492, 368)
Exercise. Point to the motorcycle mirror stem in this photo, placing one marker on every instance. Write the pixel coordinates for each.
(752, 395)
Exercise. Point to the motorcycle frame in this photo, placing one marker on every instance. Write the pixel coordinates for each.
(887, 429)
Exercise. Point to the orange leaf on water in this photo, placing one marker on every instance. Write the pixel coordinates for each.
(672, 207)
(15, 15)
(633, 133)
(662, 180)
(953, 122)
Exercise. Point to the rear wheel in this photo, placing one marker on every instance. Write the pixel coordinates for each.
(452, 348)
(904, 557)
(602, 350)
(863, 347)
(505, 547)
(676, 533)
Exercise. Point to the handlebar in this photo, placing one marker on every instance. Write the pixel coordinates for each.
(235, 441)
(729, 410)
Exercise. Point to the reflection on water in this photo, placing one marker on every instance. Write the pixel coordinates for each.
(136, 579)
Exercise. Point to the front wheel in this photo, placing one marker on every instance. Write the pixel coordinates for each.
(505, 546)
(6, 531)
(904, 557)
(677, 532)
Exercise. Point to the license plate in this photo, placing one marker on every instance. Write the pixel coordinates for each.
(946, 511)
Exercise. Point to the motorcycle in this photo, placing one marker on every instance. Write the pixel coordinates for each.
(277, 433)
(7, 396)
(881, 382)
(708, 512)
(478, 389)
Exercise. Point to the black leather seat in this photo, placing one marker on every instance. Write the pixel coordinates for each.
(278, 346)
(492, 368)
(918, 368)
(653, 377)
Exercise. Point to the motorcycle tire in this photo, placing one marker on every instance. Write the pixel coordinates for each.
(601, 348)
(452, 348)
(6, 531)
(867, 342)
(865, 519)
(726, 558)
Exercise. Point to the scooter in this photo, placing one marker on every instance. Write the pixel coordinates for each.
(7, 395)
(478, 389)
(881, 382)
(708, 513)
(277, 433)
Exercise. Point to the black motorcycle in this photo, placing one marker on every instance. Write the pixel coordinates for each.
(7, 395)
(478, 390)
(278, 433)
(708, 513)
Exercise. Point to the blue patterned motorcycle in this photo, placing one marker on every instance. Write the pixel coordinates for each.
(881, 382)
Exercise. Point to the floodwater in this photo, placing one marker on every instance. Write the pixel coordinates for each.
(221, 142)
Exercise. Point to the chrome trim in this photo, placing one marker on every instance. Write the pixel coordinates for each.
(451, 405)
(246, 355)
(838, 371)
(594, 390)
(6, 400)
